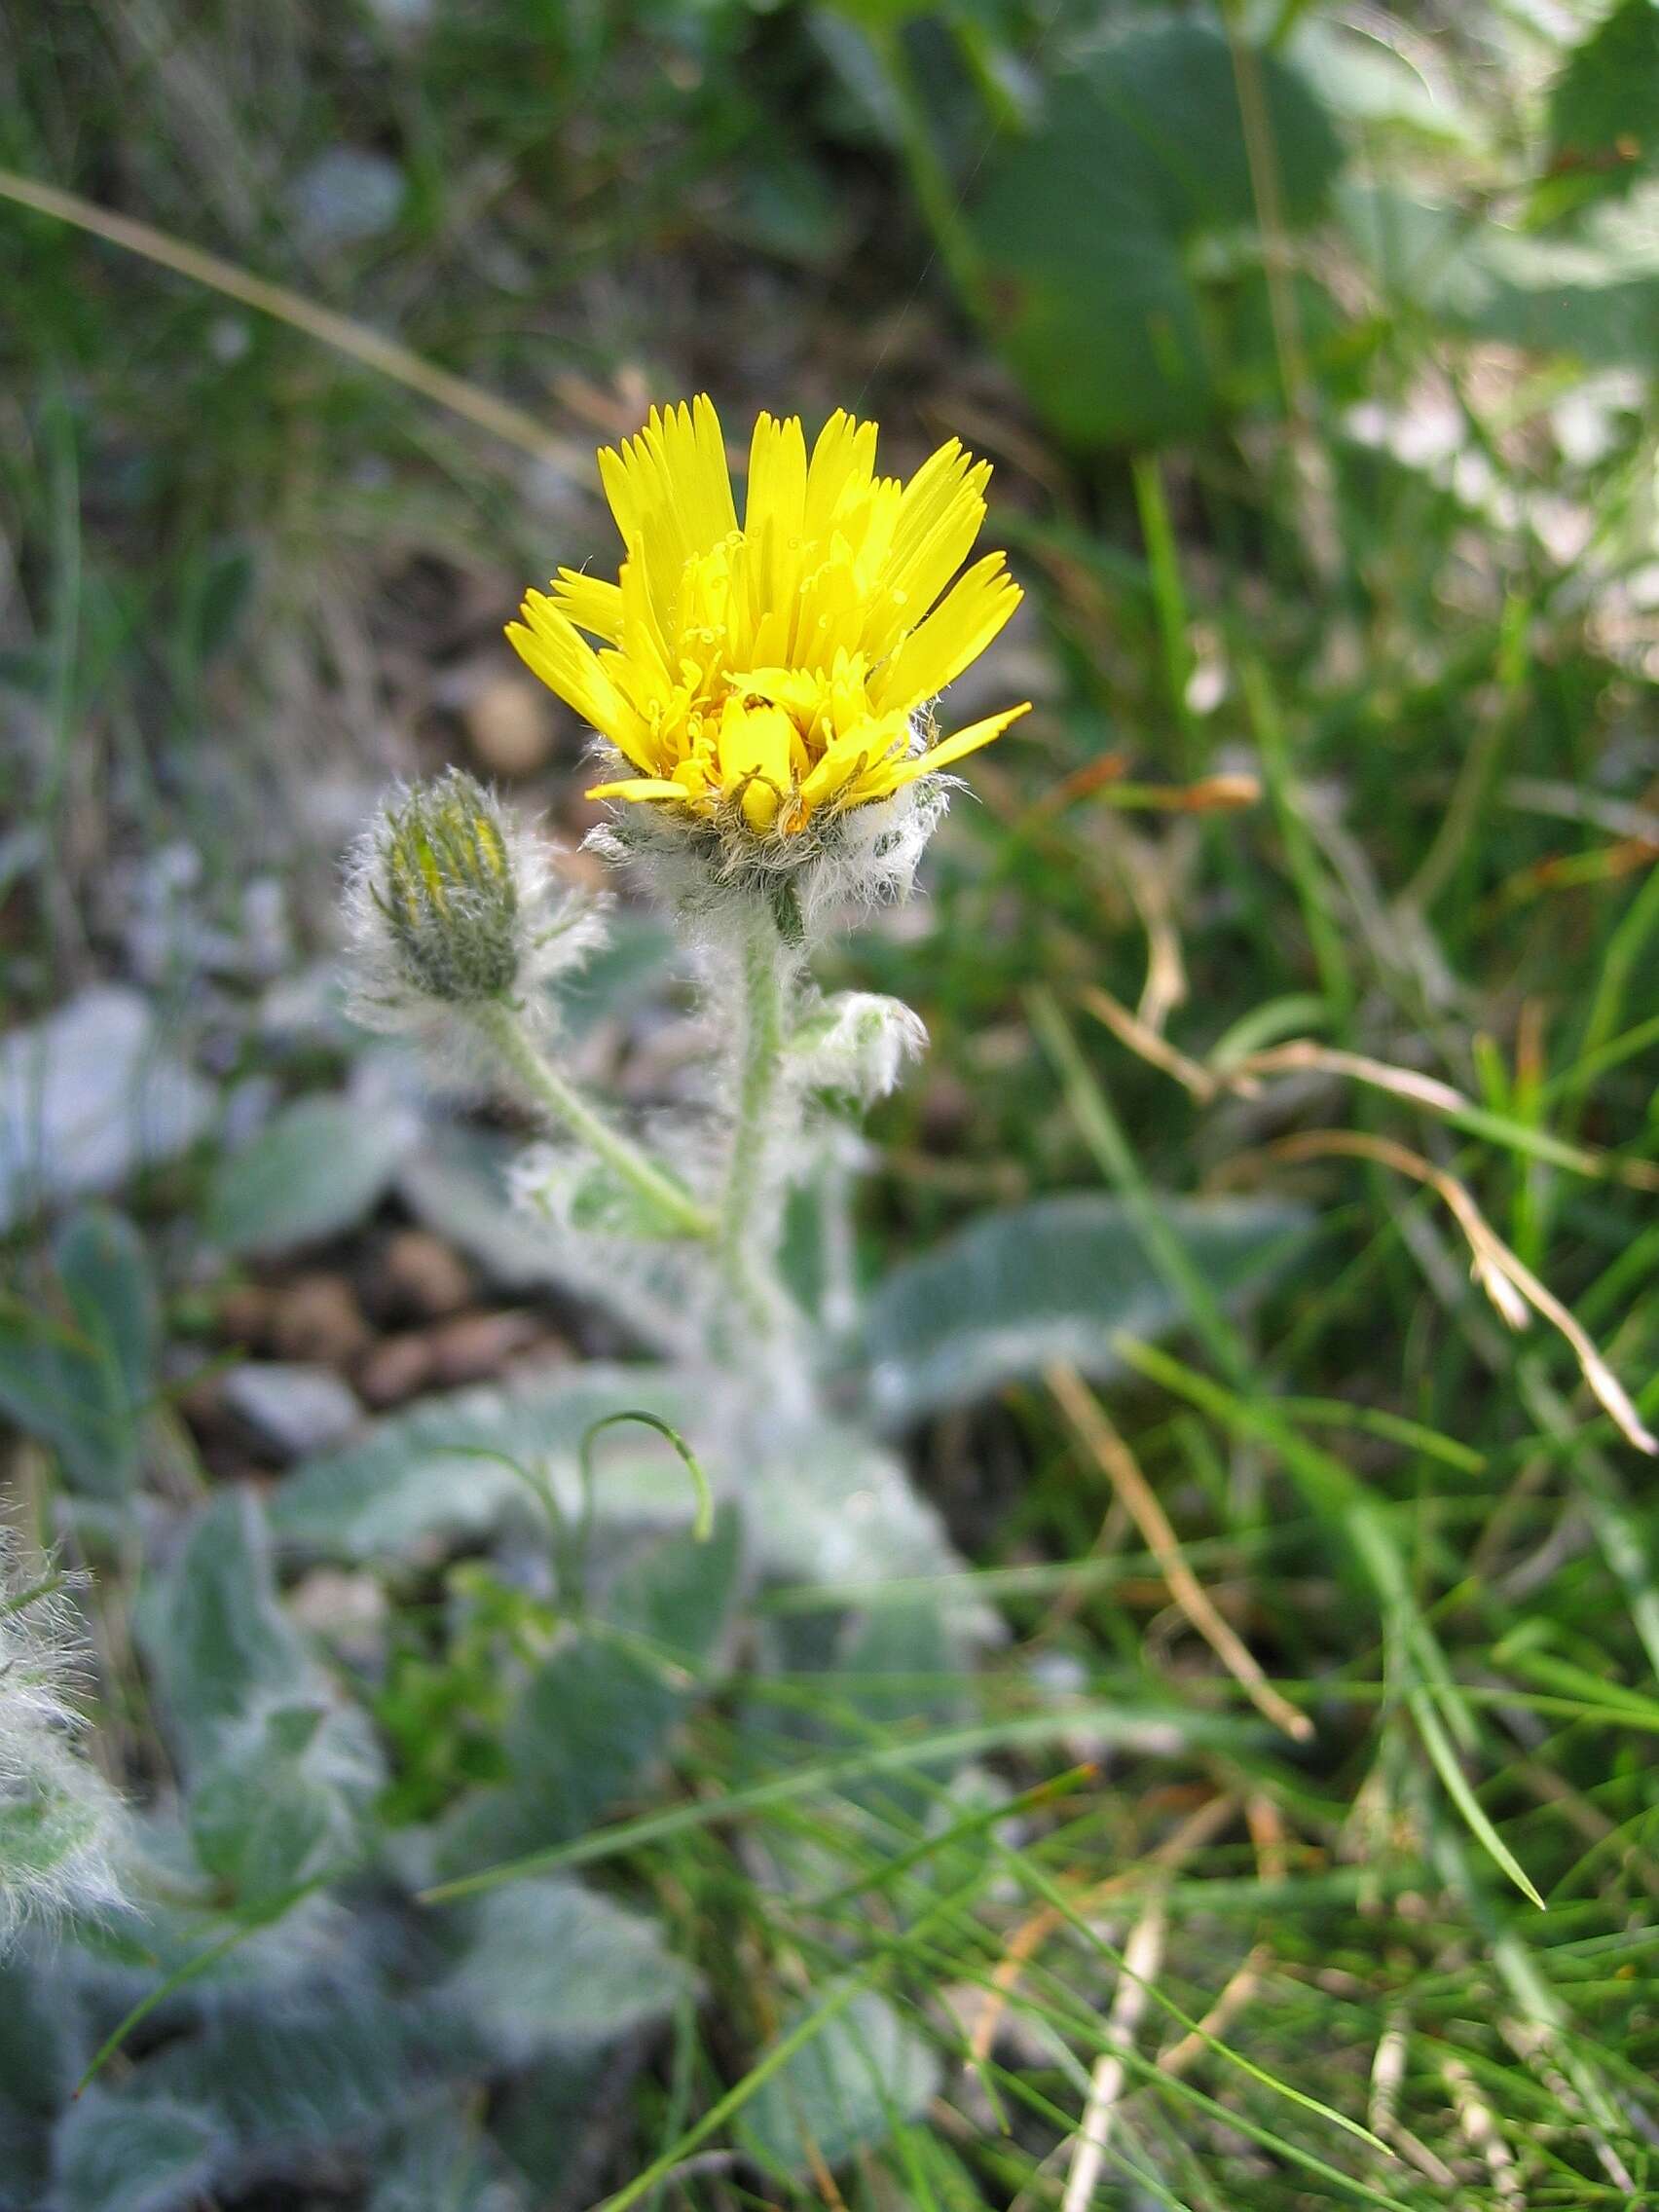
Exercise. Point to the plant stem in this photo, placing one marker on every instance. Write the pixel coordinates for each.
(759, 1050)
(504, 1027)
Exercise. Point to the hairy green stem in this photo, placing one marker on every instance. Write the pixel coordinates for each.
(759, 1063)
(504, 1029)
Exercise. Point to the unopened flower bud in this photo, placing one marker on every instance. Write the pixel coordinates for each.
(447, 892)
(454, 908)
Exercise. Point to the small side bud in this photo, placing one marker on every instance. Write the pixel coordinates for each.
(857, 1045)
(452, 908)
(446, 889)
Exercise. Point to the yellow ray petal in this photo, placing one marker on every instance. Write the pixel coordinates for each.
(591, 603)
(639, 786)
(956, 633)
(547, 644)
(841, 473)
(777, 476)
(950, 750)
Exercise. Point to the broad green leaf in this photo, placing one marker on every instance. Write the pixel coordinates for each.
(1084, 226)
(105, 1274)
(1603, 110)
(285, 1801)
(1053, 1280)
(551, 1962)
(444, 2163)
(298, 2077)
(318, 1169)
(1593, 296)
(1364, 78)
(445, 1468)
(836, 1509)
(134, 2154)
(593, 1720)
(863, 2073)
(84, 1386)
(39, 2060)
(218, 1641)
(66, 1392)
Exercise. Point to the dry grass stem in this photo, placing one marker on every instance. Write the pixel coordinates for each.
(1142, 1958)
(1506, 1280)
(1096, 1433)
(1200, 1827)
(382, 355)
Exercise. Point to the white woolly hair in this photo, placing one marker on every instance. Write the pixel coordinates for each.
(558, 927)
(61, 1827)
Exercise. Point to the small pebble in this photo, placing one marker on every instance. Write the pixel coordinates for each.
(422, 1276)
(245, 1314)
(317, 1317)
(475, 1346)
(395, 1369)
(294, 1410)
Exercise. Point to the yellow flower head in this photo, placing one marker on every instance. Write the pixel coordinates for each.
(764, 675)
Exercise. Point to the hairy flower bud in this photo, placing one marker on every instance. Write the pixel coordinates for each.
(446, 889)
(454, 908)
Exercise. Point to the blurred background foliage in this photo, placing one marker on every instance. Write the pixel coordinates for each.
(1313, 345)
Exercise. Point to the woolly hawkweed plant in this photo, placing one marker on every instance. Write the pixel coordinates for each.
(763, 701)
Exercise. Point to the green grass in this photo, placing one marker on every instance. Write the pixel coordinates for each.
(1436, 1922)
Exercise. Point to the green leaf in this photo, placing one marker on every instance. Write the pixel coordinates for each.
(105, 1272)
(1604, 111)
(838, 1509)
(60, 1389)
(1085, 227)
(284, 1804)
(83, 1387)
(218, 1641)
(1048, 1281)
(132, 2154)
(844, 2091)
(38, 2065)
(1593, 296)
(301, 2075)
(444, 2163)
(445, 1468)
(593, 1720)
(554, 1963)
(318, 1169)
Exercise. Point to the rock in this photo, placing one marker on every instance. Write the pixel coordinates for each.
(316, 1318)
(245, 1314)
(475, 1346)
(294, 1410)
(89, 1095)
(511, 725)
(395, 1369)
(422, 1276)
